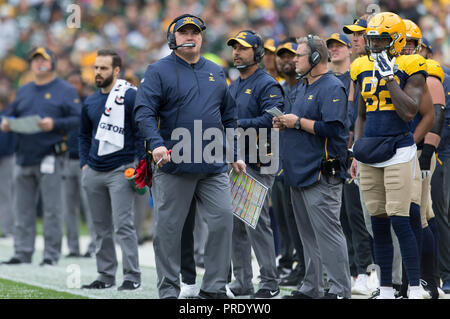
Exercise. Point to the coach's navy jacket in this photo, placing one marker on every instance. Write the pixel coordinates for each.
(58, 100)
(196, 92)
(7, 141)
(93, 108)
(254, 95)
(323, 101)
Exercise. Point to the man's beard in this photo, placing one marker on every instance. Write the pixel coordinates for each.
(106, 82)
(290, 71)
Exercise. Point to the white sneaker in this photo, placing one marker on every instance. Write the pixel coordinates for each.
(425, 293)
(360, 287)
(373, 282)
(188, 291)
(441, 293)
(386, 293)
(415, 292)
(229, 292)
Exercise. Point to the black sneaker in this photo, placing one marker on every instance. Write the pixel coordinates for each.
(331, 296)
(14, 261)
(47, 262)
(97, 284)
(398, 291)
(297, 295)
(211, 295)
(73, 255)
(267, 293)
(242, 293)
(88, 255)
(129, 285)
(294, 279)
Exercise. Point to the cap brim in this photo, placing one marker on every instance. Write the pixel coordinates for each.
(240, 41)
(337, 40)
(287, 49)
(41, 52)
(189, 23)
(349, 29)
(270, 48)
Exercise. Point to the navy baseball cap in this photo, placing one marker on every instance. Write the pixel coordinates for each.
(45, 52)
(246, 39)
(341, 38)
(189, 20)
(289, 46)
(271, 44)
(427, 44)
(358, 25)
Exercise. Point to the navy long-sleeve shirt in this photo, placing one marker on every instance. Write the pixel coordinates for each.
(176, 94)
(73, 139)
(7, 141)
(254, 95)
(91, 113)
(58, 100)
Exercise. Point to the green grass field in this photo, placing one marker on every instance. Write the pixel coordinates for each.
(16, 290)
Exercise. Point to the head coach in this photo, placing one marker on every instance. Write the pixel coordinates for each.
(177, 90)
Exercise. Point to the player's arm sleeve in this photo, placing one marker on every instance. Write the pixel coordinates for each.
(146, 107)
(271, 96)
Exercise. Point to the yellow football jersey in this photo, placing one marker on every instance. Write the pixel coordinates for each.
(435, 69)
(373, 89)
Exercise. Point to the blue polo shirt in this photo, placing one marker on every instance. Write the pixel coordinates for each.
(323, 101)
(443, 149)
(174, 94)
(58, 100)
(93, 108)
(254, 95)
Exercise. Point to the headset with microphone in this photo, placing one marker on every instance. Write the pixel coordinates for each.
(171, 41)
(314, 56)
(258, 52)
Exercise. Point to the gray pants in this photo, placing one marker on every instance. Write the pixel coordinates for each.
(317, 210)
(6, 195)
(261, 239)
(173, 195)
(74, 199)
(440, 194)
(111, 201)
(29, 182)
(141, 214)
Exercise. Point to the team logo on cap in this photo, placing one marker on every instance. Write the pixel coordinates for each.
(241, 35)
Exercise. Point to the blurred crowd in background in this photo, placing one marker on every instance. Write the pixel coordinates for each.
(137, 29)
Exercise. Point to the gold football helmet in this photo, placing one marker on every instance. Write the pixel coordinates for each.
(389, 28)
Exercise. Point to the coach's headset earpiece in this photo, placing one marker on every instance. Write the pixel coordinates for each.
(171, 41)
(50, 53)
(315, 56)
(258, 52)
